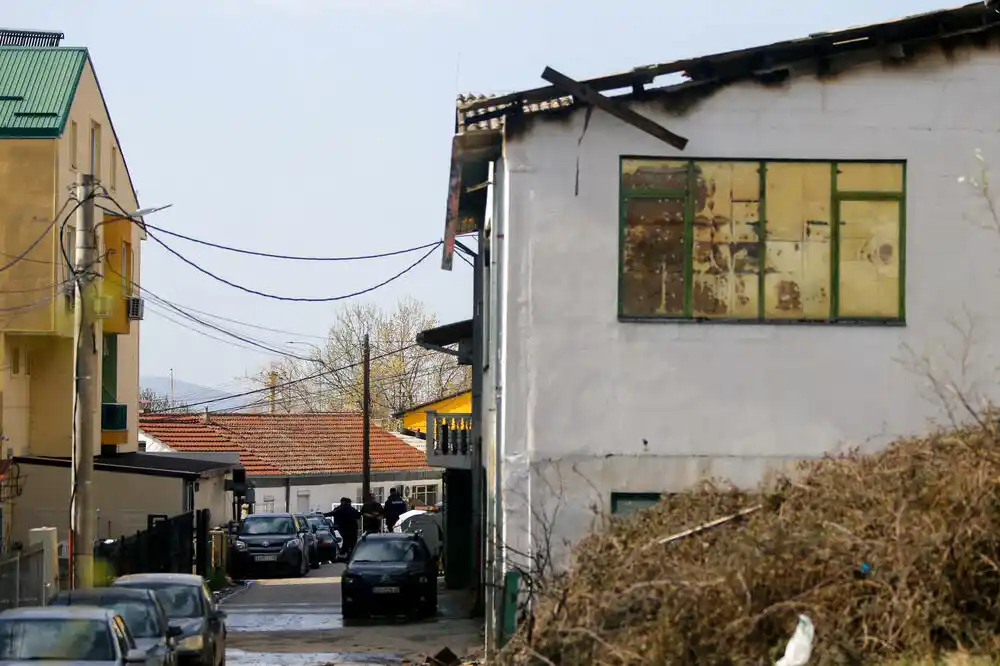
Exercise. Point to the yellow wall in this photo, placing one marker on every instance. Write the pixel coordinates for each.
(50, 426)
(417, 419)
(124, 501)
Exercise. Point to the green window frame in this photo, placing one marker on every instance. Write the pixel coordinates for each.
(623, 504)
(109, 369)
(764, 241)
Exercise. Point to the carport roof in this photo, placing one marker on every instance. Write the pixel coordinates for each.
(149, 464)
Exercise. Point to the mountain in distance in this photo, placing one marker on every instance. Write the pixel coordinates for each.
(186, 392)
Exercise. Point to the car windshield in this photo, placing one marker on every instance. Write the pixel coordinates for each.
(139, 616)
(267, 525)
(319, 524)
(51, 639)
(179, 600)
(385, 550)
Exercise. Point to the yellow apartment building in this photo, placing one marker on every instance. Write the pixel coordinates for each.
(54, 127)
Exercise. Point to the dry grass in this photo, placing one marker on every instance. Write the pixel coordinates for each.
(924, 514)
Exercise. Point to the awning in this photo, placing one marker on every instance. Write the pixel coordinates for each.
(458, 333)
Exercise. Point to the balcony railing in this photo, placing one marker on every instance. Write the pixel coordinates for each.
(449, 440)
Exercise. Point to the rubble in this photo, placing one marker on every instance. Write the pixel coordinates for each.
(892, 555)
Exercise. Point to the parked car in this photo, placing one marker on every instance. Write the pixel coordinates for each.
(325, 543)
(270, 543)
(67, 635)
(337, 536)
(189, 605)
(309, 536)
(390, 573)
(143, 614)
(426, 524)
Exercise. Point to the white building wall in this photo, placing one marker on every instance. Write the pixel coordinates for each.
(599, 405)
(325, 497)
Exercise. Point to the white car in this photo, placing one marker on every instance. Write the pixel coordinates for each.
(67, 634)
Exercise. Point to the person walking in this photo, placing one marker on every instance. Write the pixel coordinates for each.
(346, 520)
(371, 514)
(395, 507)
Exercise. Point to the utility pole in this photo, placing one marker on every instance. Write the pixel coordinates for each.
(83, 521)
(366, 462)
(272, 381)
(171, 387)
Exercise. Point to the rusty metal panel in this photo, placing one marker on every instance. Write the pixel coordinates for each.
(652, 279)
(869, 177)
(654, 174)
(797, 269)
(869, 259)
(726, 260)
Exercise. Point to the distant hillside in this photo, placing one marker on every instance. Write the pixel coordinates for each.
(186, 392)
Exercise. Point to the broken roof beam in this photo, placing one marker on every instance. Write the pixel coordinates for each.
(585, 93)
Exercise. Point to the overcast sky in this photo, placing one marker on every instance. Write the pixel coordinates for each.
(322, 127)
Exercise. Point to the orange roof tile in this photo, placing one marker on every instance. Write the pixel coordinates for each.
(285, 444)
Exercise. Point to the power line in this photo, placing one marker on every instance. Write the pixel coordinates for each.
(290, 257)
(291, 382)
(55, 220)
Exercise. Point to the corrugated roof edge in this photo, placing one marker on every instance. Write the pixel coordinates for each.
(38, 133)
(475, 112)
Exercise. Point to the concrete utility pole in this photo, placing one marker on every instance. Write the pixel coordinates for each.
(366, 462)
(83, 520)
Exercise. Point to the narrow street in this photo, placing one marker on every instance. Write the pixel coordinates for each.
(297, 622)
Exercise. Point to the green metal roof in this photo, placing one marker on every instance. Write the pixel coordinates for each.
(37, 86)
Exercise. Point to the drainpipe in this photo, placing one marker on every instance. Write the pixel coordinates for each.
(288, 494)
(476, 461)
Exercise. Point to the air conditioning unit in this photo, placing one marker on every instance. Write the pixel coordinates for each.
(103, 306)
(134, 306)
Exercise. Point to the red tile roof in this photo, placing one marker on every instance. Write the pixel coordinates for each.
(285, 444)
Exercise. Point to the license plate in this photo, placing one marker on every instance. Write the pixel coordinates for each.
(386, 590)
(266, 558)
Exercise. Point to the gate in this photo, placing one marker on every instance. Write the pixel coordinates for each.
(22, 579)
(169, 544)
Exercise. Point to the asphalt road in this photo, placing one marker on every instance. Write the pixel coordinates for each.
(298, 622)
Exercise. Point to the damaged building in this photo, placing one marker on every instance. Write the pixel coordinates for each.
(725, 273)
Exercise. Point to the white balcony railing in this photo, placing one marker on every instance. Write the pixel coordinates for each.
(449, 440)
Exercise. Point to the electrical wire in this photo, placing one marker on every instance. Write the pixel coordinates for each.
(277, 297)
(289, 257)
(55, 220)
(288, 383)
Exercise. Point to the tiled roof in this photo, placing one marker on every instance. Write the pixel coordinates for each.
(37, 86)
(286, 444)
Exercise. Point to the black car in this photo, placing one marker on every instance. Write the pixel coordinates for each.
(271, 543)
(390, 574)
(309, 536)
(189, 605)
(143, 615)
(326, 544)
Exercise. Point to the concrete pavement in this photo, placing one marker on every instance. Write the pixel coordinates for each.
(298, 622)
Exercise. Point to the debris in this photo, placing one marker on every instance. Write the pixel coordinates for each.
(894, 555)
(800, 645)
(444, 658)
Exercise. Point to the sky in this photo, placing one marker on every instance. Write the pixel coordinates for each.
(322, 127)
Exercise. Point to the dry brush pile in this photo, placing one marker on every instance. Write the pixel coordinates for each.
(924, 515)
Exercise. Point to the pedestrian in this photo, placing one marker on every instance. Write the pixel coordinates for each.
(371, 514)
(345, 520)
(395, 507)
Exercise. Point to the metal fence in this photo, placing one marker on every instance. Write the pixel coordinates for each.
(22, 579)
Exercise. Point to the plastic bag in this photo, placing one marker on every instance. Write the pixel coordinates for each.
(800, 645)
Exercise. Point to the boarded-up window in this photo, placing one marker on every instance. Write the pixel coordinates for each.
(763, 241)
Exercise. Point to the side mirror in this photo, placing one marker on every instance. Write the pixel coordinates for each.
(174, 631)
(135, 657)
(221, 614)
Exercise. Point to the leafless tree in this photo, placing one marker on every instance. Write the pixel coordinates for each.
(402, 375)
(151, 401)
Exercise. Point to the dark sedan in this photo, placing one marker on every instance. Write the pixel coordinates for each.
(271, 542)
(143, 615)
(390, 574)
(189, 605)
(325, 541)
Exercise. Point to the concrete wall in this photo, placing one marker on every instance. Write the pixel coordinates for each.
(323, 497)
(211, 494)
(123, 500)
(590, 402)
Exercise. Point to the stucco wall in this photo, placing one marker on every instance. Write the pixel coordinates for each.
(123, 500)
(211, 494)
(325, 497)
(656, 406)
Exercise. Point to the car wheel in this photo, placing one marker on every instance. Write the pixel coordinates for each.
(314, 562)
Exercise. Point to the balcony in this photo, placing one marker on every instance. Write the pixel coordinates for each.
(449, 440)
(114, 424)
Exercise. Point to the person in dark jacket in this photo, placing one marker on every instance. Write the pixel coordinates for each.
(395, 507)
(371, 514)
(345, 519)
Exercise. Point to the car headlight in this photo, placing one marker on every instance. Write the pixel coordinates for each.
(422, 579)
(350, 580)
(292, 543)
(191, 643)
(241, 545)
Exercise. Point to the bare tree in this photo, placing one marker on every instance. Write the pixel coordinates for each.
(402, 374)
(151, 401)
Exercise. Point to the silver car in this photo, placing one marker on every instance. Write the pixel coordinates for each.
(67, 635)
